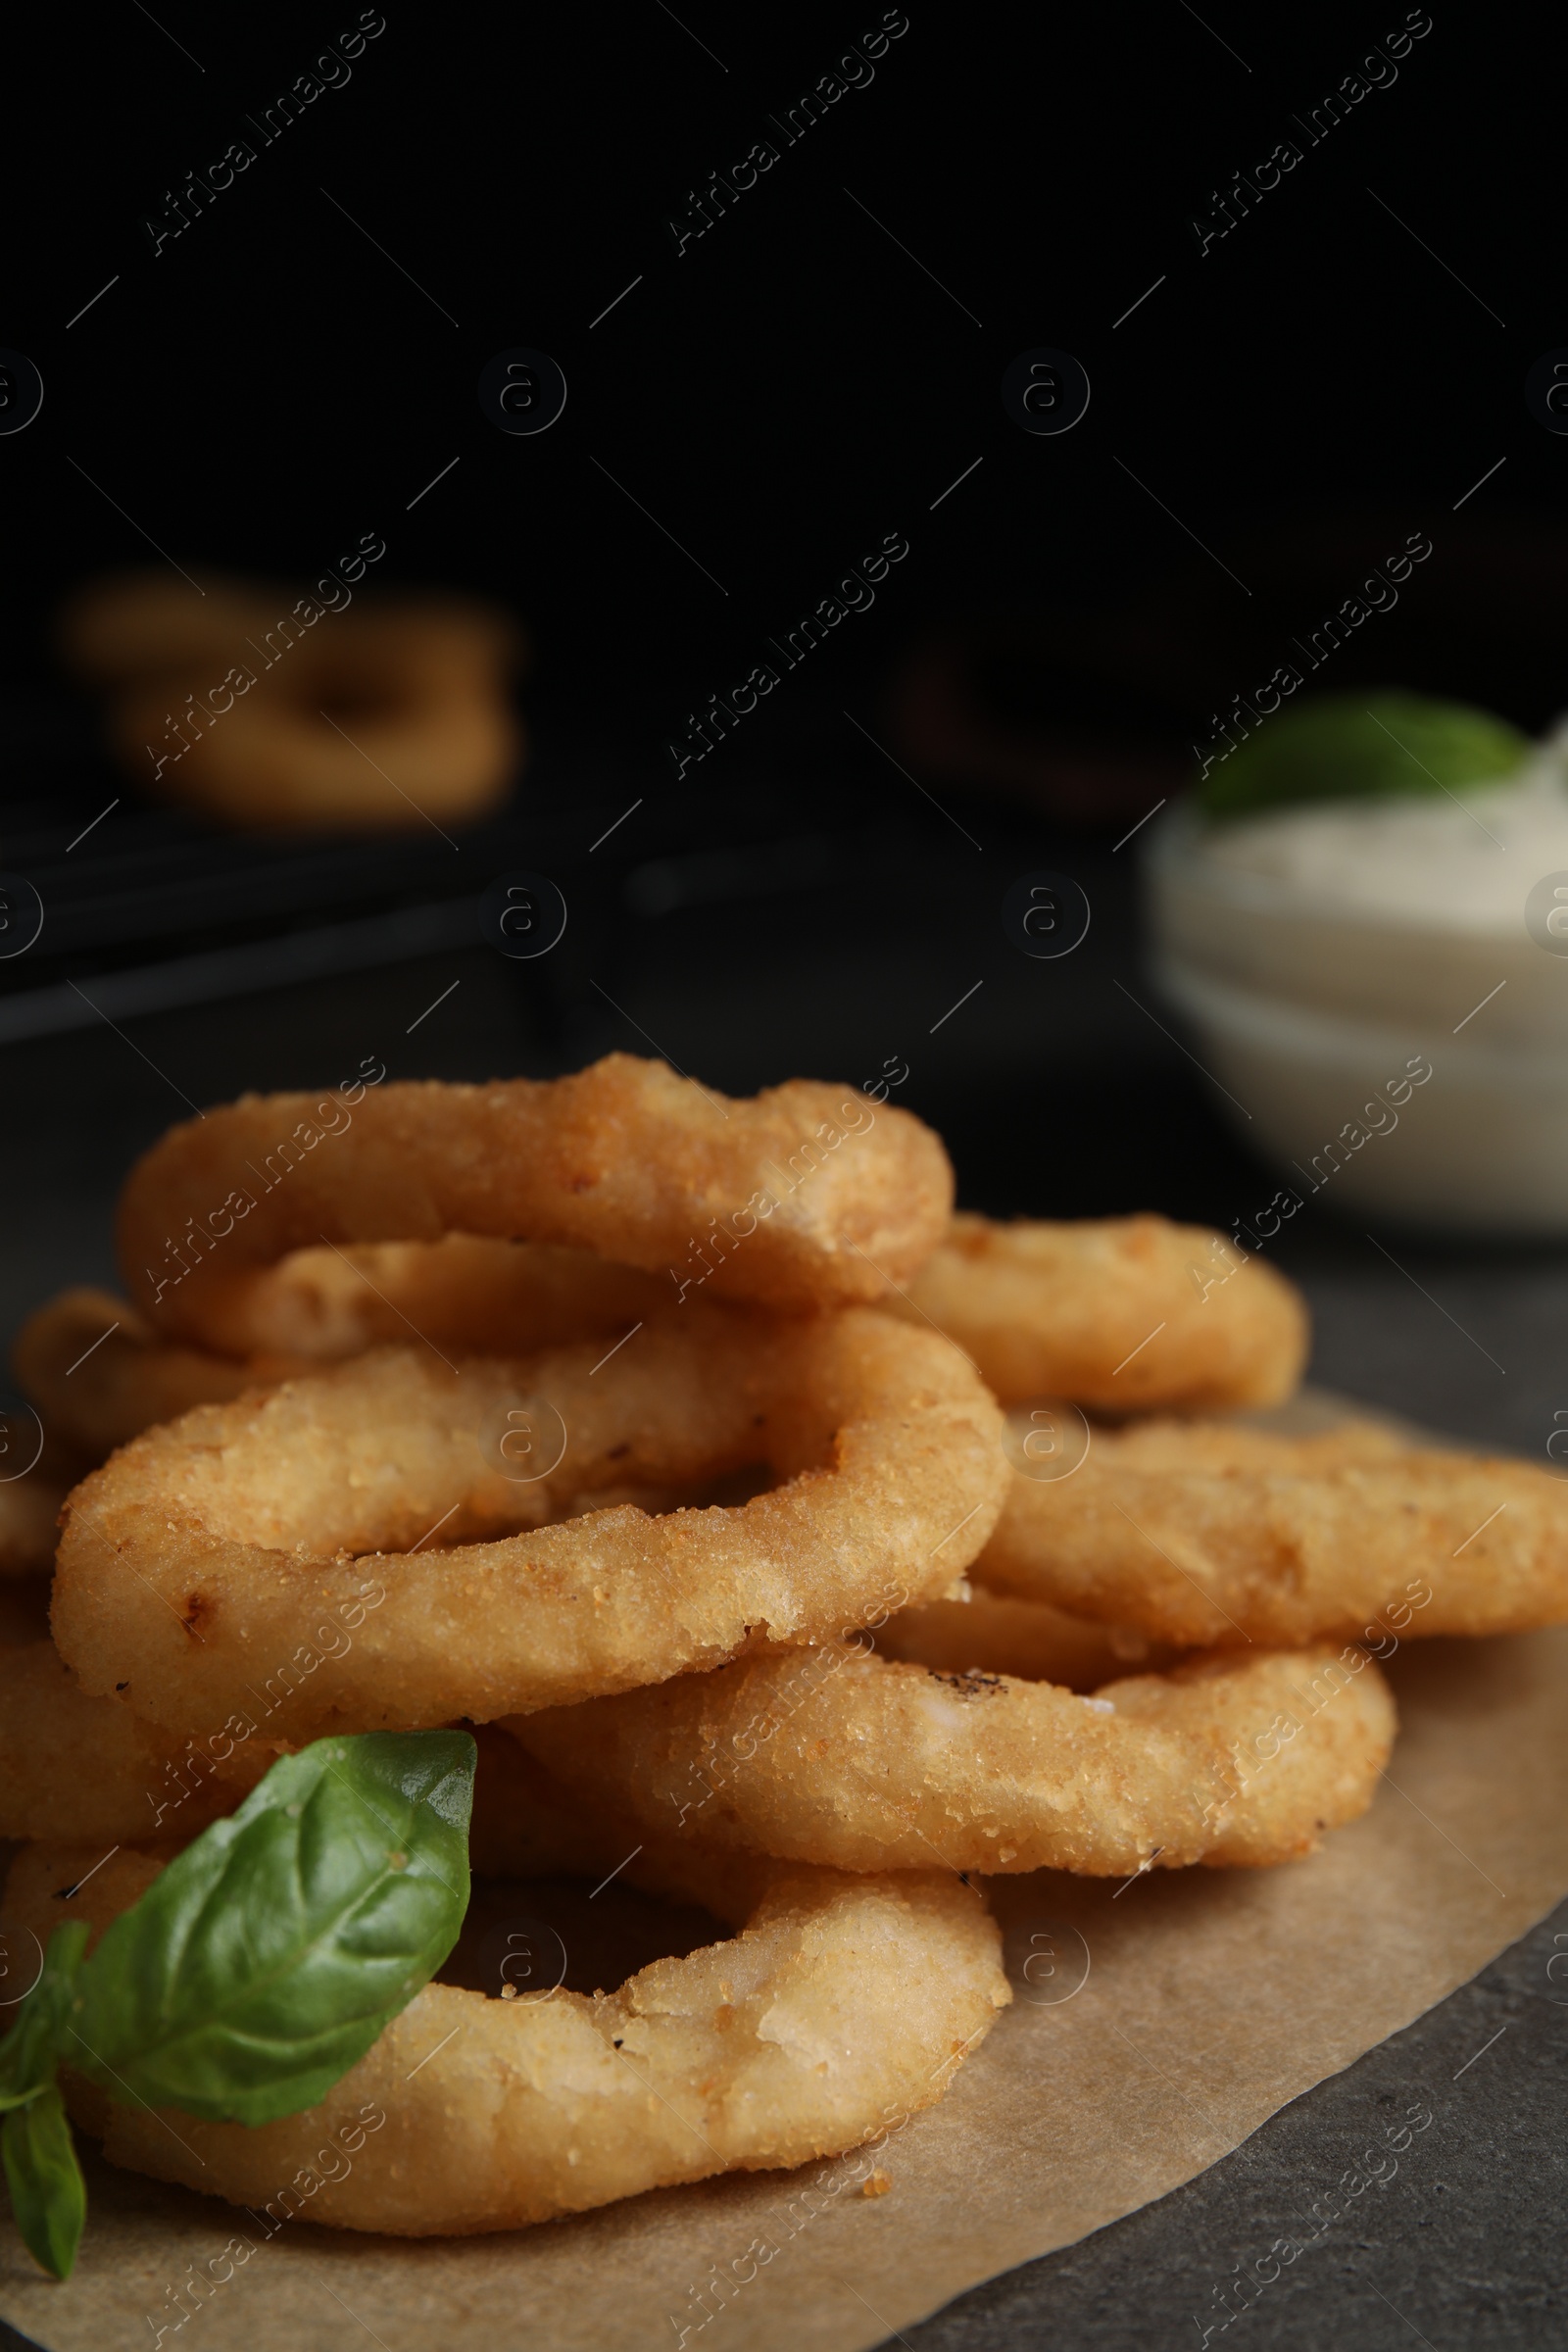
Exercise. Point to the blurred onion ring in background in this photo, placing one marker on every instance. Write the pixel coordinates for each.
(266, 709)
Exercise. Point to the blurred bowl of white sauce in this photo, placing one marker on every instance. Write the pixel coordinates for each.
(1381, 987)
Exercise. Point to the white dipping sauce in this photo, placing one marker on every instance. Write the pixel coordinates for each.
(1460, 861)
(1367, 980)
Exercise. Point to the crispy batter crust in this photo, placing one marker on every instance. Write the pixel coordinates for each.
(463, 1293)
(804, 1196)
(842, 2002)
(208, 1567)
(1026, 1638)
(1227, 1536)
(1107, 1311)
(99, 1373)
(72, 1766)
(130, 1379)
(844, 1759)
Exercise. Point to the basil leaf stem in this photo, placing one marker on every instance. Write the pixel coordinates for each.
(31, 2051)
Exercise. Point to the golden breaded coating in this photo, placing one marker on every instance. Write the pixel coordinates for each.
(1121, 1313)
(1025, 1638)
(805, 1197)
(463, 1293)
(72, 1766)
(839, 1757)
(207, 1570)
(100, 1374)
(1222, 1536)
(840, 2002)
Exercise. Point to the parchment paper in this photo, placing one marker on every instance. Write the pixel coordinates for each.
(1152, 2029)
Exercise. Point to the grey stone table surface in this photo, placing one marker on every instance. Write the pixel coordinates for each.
(1462, 2246)
(1465, 2246)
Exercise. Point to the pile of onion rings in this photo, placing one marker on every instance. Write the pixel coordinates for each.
(661, 1439)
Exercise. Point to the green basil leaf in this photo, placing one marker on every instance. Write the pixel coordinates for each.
(48, 2194)
(270, 1954)
(1361, 747)
(32, 2048)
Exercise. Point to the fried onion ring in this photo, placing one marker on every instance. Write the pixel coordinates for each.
(1218, 1535)
(410, 688)
(1026, 1638)
(200, 1565)
(800, 1198)
(73, 1767)
(1112, 1312)
(840, 2001)
(100, 1374)
(464, 1292)
(844, 1759)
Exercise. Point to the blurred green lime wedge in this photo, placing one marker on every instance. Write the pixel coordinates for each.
(1371, 746)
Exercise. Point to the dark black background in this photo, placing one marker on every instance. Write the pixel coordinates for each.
(781, 395)
(793, 385)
